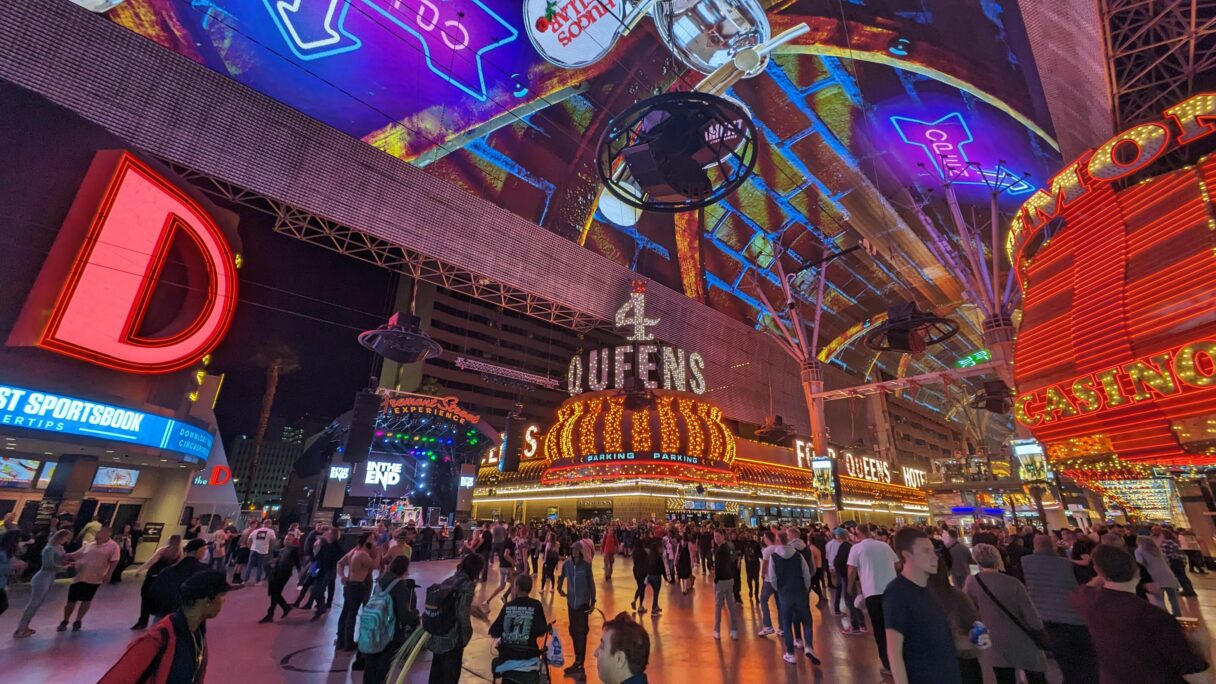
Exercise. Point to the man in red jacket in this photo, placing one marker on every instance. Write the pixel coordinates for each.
(174, 650)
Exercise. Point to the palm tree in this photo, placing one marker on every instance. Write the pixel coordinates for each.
(278, 359)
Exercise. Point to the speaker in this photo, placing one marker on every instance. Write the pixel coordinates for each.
(996, 397)
(362, 427)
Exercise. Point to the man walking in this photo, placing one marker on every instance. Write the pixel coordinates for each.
(1050, 580)
(95, 562)
(871, 568)
(960, 558)
(791, 577)
(724, 586)
(767, 590)
(260, 541)
(579, 580)
(919, 641)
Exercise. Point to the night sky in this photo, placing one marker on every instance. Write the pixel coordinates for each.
(311, 299)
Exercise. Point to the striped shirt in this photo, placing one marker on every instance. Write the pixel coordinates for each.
(1050, 580)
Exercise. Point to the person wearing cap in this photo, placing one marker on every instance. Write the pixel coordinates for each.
(174, 650)
(166, 588)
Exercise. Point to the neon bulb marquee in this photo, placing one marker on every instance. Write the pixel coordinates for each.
(1115, 361)
(96, 287)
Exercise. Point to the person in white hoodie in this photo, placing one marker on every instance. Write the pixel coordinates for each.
(791, 577)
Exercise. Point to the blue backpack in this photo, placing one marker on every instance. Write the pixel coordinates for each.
(378, 621)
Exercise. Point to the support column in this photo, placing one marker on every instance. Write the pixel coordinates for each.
(812, 383)
(70, 482)
(172, 485)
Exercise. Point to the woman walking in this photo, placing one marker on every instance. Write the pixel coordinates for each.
(1149, 555)
(1006, 609)
(1194, 552)
(684, 563)
(641, 562)
(1177, 561)
(608, 548)
(165, 556)
(53, 562)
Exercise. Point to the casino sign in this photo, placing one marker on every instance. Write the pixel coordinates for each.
(1115, 359)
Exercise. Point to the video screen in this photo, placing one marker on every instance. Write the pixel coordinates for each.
(115, 480)
(17, 473)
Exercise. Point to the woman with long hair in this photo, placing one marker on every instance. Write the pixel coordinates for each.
(53, 562)
(684, 563)
(552, 557)
(962, 614)
(608, 548)
(165, 556)
(641, 561)
(1149, 555)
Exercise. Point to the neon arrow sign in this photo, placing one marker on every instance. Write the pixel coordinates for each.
(943, 142)
(454, 36)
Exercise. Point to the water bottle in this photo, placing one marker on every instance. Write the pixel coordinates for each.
(979, 635)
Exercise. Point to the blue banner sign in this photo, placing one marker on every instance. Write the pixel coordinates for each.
(33, 410)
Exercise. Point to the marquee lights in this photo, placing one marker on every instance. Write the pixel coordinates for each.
(653, 364)
(1194, 118)
(94, 290)
(665, 442)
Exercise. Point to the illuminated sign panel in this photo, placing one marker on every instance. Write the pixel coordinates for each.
(652, 363)
(1116, 353)
(340, 473)
(944, 143)
(115, 480)
(95, 289)
(18, 472)
(447, 408)
(381, 476)
(46, 412)
(974, 358)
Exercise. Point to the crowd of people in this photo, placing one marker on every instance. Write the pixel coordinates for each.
(941, 604)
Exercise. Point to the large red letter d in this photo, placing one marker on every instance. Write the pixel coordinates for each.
(95, 289)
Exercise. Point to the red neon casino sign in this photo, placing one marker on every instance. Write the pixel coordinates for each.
(1116, 354)
(95, 291)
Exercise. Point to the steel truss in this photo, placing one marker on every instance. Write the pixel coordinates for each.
(320, 231)
(1157, 53)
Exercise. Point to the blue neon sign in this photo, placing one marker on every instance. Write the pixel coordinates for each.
(42, 411)
(944, 143)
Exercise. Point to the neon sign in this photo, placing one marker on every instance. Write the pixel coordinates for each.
(654, 364)
(454, 36)
(974, 358)
(46, 412)
(574, 33)
(944, 143)
(444, 407)
(1194, 118)
(1190, 367)
(339, 473)
(95, 289)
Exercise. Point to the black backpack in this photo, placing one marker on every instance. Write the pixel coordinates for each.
(439, 614)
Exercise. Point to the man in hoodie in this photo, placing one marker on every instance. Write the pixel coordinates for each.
(579, 580)
(793, 536)
(724, 585)
(791, 577)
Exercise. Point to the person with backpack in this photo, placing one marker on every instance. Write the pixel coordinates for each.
(447, 618)
(518, 625)
(387, 620)
(724, 586)
(174, 650)
(579, 577)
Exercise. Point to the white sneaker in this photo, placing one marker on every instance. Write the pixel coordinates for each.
(766, 631)
(797, 643)
(717, 635)
(734, 635)
(790, 658)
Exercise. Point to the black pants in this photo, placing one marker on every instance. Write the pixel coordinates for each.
(707, 559)
(423, 553)
(1178, 566)
(1009, 675)
(1073, 649)
(1195, 558)
(738, 586)
(275, 589)
(878, 626)
(578, 633)
(547, 576)
(145, 598)
(640, 594)
(753, 580)
(377, 665)
(817, 584)
(970, 671)
(3, 600)
(445, 667)
(353, 596)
